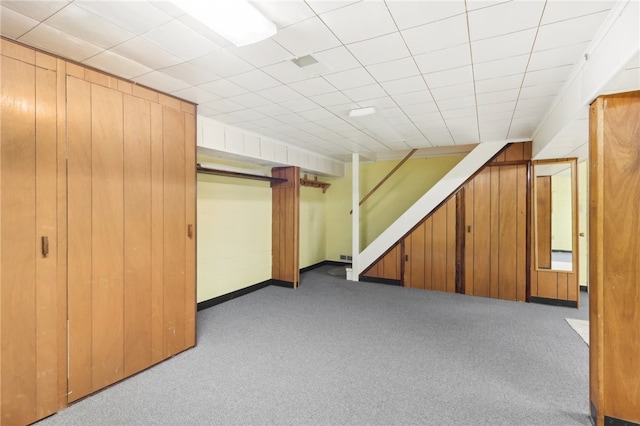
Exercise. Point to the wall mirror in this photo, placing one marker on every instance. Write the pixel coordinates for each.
(555, 214)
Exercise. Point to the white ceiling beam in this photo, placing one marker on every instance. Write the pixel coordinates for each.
(616, 44)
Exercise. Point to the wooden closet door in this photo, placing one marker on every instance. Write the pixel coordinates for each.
(28, 278)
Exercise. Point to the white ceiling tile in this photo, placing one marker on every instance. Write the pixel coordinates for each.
(306, 37)
(195, 94)
(223, 88)
(291, 118)
(481, 4)
(537, 113)
(547, 76)
(540, 102)
(223, 105)
(337, 59)
(178, 39)
(190, 73)
(14, 24)
(459, 113)
(146, 53)
(504, 18)
(445, 59)
(365, 92)
(299, 105)
(60, 43)
(394, 70)
(322, 6)
(205, 31)
(501, 67)
(38, 10)
(413, 13)
(499, 83)
(285, 72)
(115, 64)
(449, 77)
(522, 128)
(161, 82)
(492, 117)
(272, 110)
(504, 46)
(207, 111)
(349, 79)
(379, 49)
(568, 32)
(383, 102)
(404, 85)
(347, 23)
(330, 99)
(266, 52)
(279, 94)
(465, 137)
(456, 103)
(285, 13)
(440, 138)
(246, 115)
(254, 80)
(559, 10)
(450, 92)
(549, 89)
(89, 27)
(312, 86)
(316, 114)
(566, 55)
(413, 98)
(222, 63)
(489, 109)
(250, 100)
(497, 97)
(438, 35)
(134, 16)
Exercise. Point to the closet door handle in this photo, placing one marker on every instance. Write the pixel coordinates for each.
(190, 231)
(45, 245)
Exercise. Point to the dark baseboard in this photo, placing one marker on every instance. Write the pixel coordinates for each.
(324, 263)
(554, 302)
(584, 288)
(226, 297)
(381, 280)
(612, 421)
(280, 283)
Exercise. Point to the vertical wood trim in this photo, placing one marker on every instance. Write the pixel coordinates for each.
(285, 225)
(469, 232)
(543, 221)
(494, 217)
(137, 234)
(157, 233)
(46, 224)
(190, 212)
(107, 218)
(528, 195)
(451, 245)
(522, 246)
(18, 194)
(460, 241)
(80, 238)
(62, 229)
(174, 231)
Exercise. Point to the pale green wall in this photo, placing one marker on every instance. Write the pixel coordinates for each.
(561, 229)
(393, 198)
(583, 223)
(313, 235)
(234, 234)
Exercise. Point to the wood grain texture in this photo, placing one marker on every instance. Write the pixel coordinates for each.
(174, 231)
(620, 253)
(451, 245)
(469, 225)
(522, 232)
(416, 255)
(428, 251)
(285, 225)
(507, 236)
(157, 234)
(439, 247)
(190, 217)
(18, 273)
(107, 229)
(79, 237)
(480, 261)
(46, 225)
(543, 221)
(137, 234)
(494, 233)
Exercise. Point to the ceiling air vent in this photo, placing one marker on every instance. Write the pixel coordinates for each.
(310, 65)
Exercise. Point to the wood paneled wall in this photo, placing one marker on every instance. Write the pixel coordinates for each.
(286, 226)
(542, 211)
(430, 251)
(124, 248)
(477, 241)
(614, 270)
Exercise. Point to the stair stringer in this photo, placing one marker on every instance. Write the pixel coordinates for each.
(458, 175)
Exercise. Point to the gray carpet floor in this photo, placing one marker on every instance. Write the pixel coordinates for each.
(335, 352)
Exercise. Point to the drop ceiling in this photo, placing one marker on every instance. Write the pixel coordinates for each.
(439, 73)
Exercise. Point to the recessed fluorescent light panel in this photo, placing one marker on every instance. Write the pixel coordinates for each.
(236, 20)
(362, 112)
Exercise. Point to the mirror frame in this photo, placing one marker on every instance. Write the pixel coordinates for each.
(573, 163)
